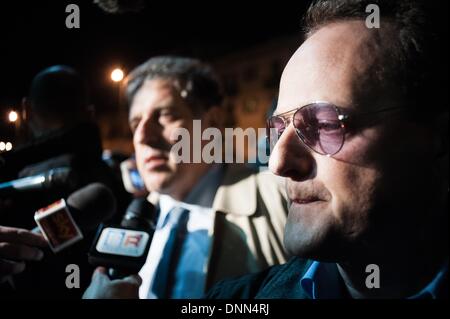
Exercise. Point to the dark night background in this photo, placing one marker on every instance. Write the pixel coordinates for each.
(33, 36)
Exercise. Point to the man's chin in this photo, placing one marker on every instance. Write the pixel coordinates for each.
(310, 243)
(160, 182)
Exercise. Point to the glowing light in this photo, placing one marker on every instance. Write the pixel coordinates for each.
(13, 116)
(2, 146)
(117, 75)
(8, 146)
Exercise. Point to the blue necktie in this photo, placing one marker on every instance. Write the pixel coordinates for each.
(165, 272)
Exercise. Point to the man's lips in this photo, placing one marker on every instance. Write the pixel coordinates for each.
(155, 161)
(307, 193)
(306, 200)
(155, 157)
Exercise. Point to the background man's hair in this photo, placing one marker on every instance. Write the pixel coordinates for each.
(417, 59)
(58, 91)
(196, 81)
(120, 6)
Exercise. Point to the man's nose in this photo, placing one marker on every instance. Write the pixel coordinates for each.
(148, 132)
(291, 157)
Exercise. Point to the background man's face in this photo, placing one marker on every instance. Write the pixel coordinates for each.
(361, 197)
(156, 112)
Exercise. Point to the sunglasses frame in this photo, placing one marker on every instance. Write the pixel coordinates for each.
(342, 117)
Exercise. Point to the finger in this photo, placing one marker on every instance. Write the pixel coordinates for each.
(8, 267)
(133, 279)
(20, 252)
(36, 230)
(21, 236)
(99, 271)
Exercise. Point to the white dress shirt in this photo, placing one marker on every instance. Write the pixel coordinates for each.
(190, 274)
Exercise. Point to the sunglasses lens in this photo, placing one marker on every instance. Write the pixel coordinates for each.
(318, 125)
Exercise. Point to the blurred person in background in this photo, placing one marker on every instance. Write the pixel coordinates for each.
(228, 218)
(64, 135)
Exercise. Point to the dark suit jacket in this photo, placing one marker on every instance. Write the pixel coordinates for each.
(278, 282)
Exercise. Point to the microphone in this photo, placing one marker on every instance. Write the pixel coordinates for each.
(123, 249)
(140, 214)
(56, 178)
(85, 209)
(92, 205)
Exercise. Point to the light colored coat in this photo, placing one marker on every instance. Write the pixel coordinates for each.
(250, 214)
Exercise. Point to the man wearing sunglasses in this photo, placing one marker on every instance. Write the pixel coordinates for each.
(360, 135)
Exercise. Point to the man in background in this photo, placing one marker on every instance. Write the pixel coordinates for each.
(228, 218)
(64, 135)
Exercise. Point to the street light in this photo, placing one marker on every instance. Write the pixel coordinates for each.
(117, 75)
(13, 116)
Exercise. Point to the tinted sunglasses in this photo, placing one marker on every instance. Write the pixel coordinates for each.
(321, 126)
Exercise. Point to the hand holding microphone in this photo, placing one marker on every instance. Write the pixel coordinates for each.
(102, 287)
(123, 248)
(89, 206)
(16, 247)
(121, 251)
(62, 222)
(83, 211)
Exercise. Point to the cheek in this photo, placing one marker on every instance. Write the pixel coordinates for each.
(139, 148)
(353, 183)
(353, 192)
(172, 133)
(172, 164)
(139, 155)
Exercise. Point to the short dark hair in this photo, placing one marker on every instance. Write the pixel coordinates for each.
(58, 91)
(418, 53)
(196, 81)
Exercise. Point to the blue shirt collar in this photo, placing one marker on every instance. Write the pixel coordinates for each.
(432, 289)
(321, 281)
(201, 195)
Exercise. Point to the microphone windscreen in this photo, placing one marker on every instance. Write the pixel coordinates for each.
(141, 207)
(140, 214)
(92, 205)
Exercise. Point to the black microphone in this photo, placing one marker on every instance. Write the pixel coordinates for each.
(84, 209)
(57, 178)
(140, 214)
(123, 249)
(92, 205)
